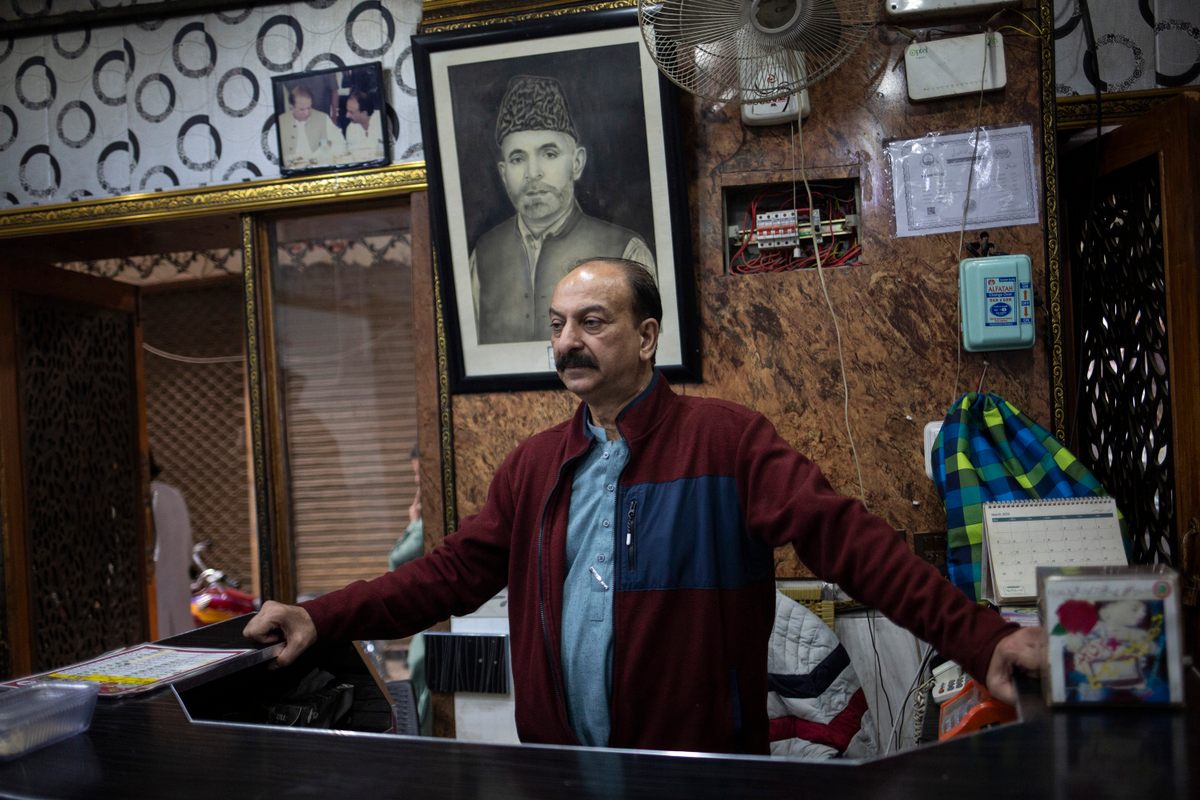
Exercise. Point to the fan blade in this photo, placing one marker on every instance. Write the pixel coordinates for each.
(726, 49)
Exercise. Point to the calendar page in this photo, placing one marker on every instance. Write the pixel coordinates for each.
(1019, 536)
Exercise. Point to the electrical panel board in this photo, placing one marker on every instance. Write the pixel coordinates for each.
(771, 228)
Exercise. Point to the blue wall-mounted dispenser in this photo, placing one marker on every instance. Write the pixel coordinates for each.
(995, 300)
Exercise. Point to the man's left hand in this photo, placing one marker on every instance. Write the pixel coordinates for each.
(1024, 649)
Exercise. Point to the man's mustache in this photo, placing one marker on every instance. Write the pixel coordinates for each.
(537, 187)
(569, 360)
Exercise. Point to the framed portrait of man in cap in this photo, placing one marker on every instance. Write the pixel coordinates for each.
(548, 143)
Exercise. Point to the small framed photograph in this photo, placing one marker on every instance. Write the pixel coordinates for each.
(547, 142)
(1114, 635)
(331, 119)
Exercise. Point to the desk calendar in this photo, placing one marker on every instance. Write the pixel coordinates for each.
(1021, 535)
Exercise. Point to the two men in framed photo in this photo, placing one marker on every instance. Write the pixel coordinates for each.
(331, 119)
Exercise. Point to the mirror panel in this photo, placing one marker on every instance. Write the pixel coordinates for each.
(341, 307)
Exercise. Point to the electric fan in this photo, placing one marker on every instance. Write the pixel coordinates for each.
(752, 51)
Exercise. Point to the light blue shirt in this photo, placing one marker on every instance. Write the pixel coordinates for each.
(587, 622)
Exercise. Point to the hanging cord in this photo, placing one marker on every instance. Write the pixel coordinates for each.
(798, 139)
(918, 687)
(962, 231)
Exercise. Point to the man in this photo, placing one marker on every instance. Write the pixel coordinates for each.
(636, 540)
(364, 131)
(515, 265)
(172, 555)
(306, 134)
(411, 543)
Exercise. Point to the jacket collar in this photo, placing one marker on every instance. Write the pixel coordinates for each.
(637, 419)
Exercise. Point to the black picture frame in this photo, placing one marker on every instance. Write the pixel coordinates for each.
(338, 139)
(625, 115)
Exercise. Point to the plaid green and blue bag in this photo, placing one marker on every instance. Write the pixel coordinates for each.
(989, 451)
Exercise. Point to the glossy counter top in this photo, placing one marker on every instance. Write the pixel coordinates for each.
(148, 748)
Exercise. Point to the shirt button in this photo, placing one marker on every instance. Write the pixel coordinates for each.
(605, 523)
(605, 454)
(612, 486)
(600, 558)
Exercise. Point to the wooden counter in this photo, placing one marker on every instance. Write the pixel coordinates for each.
(148, 748)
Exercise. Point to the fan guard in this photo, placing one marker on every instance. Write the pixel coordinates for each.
(721, 49)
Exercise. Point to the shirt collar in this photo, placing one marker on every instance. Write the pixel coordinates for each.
(597, 431)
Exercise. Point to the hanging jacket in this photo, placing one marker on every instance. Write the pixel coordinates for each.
(710, 489)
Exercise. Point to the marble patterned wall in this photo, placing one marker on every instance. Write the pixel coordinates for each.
(767, 341)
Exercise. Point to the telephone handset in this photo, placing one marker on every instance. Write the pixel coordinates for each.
(948, 680)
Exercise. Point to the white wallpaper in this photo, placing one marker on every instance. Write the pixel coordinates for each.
(183, 102)
(1148, 44)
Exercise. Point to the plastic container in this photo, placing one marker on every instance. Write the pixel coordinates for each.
(42, 714)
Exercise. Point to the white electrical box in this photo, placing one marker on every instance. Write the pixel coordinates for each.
(950, 67)
(777, 112)
(763, 81)
(995, 296)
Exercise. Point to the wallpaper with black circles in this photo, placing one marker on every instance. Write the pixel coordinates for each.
(1140, 44)
(182, 102)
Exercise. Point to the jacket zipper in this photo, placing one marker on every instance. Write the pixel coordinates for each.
(631, 534)
(551, 656)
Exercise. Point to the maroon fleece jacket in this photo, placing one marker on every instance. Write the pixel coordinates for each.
(710, 489)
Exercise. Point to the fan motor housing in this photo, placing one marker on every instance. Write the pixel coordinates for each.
(776, 17)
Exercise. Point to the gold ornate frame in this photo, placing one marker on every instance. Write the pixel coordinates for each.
(1079, 111)
(1054, 296)
(246, 197)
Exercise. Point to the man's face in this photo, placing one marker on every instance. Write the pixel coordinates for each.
(539, 170)
(302, 107)
(355, 113)
(601, 352)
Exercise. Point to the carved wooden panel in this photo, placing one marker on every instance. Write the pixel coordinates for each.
(78, 402)
(1123, 413)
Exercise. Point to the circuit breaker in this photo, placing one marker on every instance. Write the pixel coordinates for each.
(771, 228)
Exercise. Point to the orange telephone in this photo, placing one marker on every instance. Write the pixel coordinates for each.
(971, 709)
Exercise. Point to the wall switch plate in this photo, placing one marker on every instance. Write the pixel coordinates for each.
(950, 67)
(932, 429)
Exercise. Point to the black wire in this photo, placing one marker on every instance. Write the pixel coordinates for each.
(879, 666)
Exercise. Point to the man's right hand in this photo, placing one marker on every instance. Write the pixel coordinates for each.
(277, 622)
